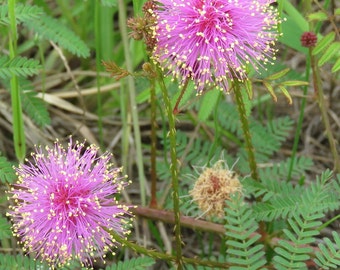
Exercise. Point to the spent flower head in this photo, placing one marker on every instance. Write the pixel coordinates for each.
(64, 207)
(213, 187)
(214, 41)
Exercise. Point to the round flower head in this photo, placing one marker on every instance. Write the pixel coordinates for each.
(64, 206)
(213, 187)
(213, 41)
(308, 39)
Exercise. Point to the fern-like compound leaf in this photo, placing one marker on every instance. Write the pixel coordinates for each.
(51, 29)
(286, 199)
(5, 228)
(242, 249)
(329, 255)
(35, 108)
(19, 262)
(19, 66)
(139, 263)
(293, 254)
(23, 13)
(7, 173)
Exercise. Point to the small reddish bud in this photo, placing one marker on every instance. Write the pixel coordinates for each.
(308, 39)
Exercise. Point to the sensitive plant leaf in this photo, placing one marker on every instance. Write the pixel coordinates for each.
(23, 13)
(286, 94)
(19, 66)
(241, 227)
(20, 262)
(270, 89)
(7, 173)
(278, 75)
(139, 263)
(36, 108)
(328, 256)
(323, 43)
(336, 66)
(333, 49)
(51, 29)
(294, 254)
(295, 83)
(5, 228)
(317, 16)
(282, 200)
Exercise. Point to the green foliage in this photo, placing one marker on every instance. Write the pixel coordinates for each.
(192, 151)
(294, 253)
(268, 139)
(5, 228)
(208, 103)
(328, 50)
(282, 199)
(51, 29)
(19, 66)
(23, 13)
(19, 262)
(303, 211)
(47, 28)
(7, 173)
(273, 176)
(139, 263)
(35, 108)
(293, 26)
(329, 255)
(242, 249)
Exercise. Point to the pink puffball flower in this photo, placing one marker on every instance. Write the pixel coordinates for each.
(214, 41)
(64, 206)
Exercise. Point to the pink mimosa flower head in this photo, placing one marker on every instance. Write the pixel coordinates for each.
(64, 205)
(214, 41)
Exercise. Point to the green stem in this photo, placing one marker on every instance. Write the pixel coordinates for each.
(328, 222)
(18, 123)
(174, 172)
(162, 256)
(246, 131)
(132, 96)
(176, 110)
(320, 96)
(153, 176)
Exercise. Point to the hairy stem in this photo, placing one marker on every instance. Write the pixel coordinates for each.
(246, 131)
(167, 257)
(18, 123)
(153, 176)
(176, 110)
(174, 172)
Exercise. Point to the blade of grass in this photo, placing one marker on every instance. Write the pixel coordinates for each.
(132, 99)
(97, 15)
(18, 123)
